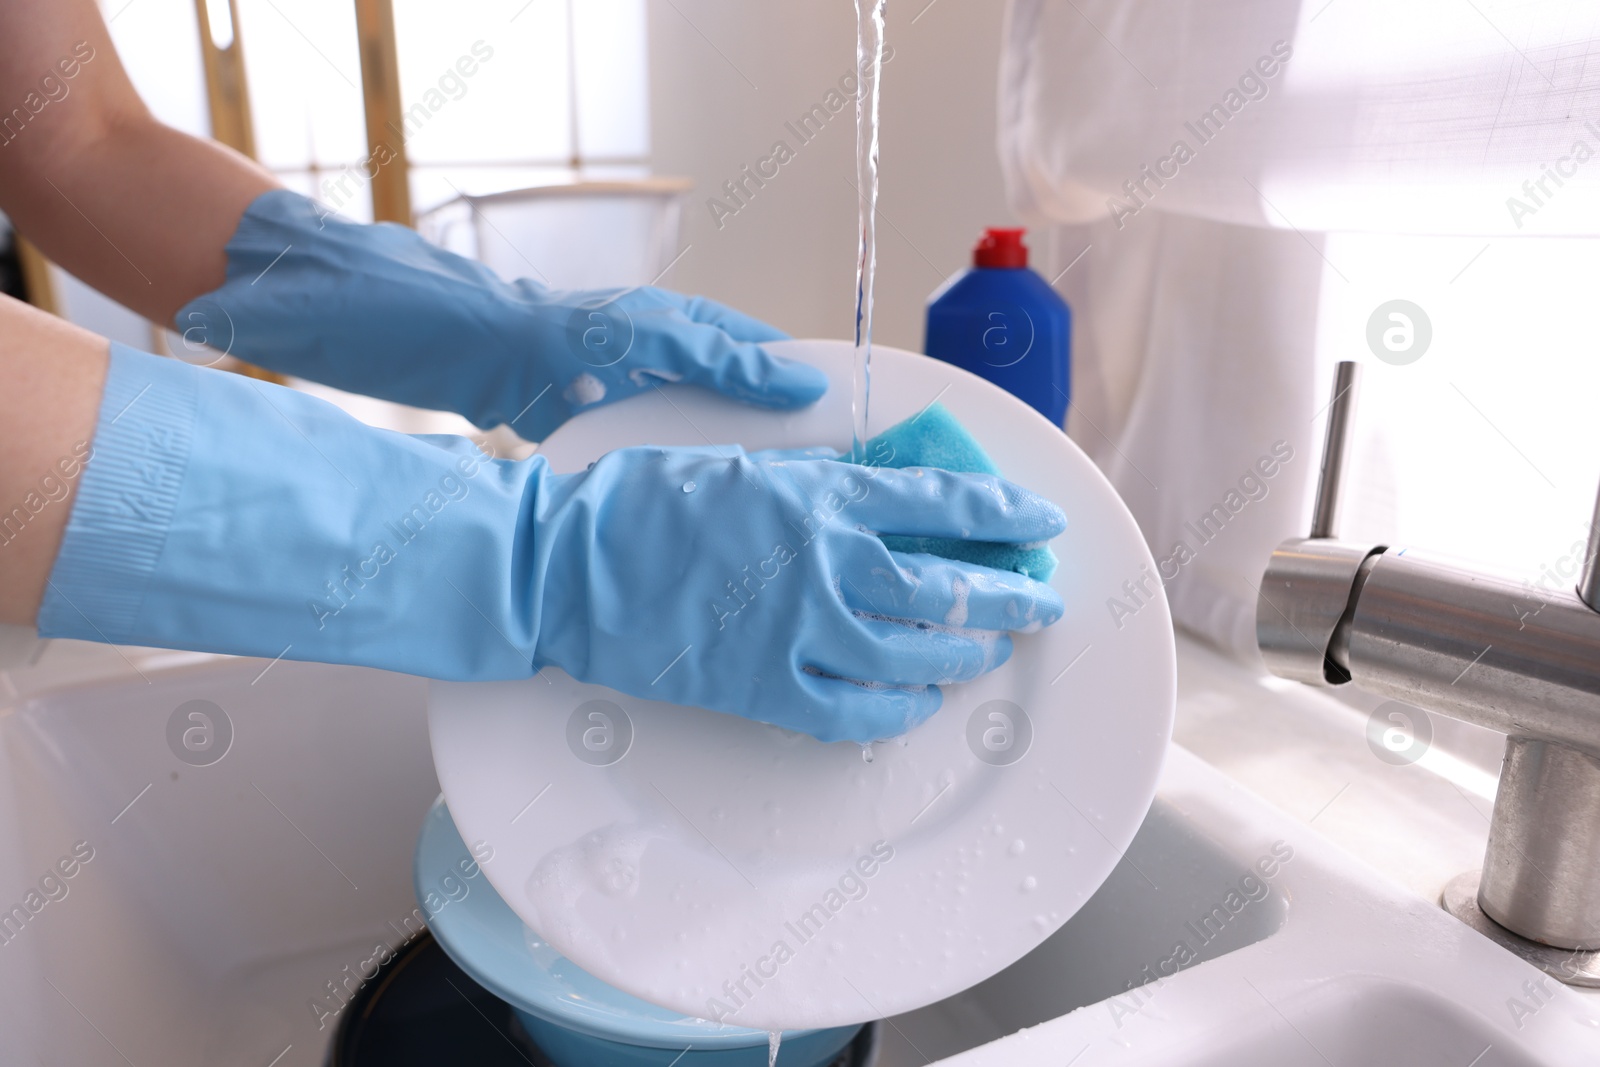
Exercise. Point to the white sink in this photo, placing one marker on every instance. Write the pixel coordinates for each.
(1336, 966)
(226, 906)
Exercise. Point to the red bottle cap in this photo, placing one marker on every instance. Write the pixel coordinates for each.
(1000, 248)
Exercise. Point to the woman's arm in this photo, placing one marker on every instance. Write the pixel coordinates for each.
(54, 374)
(173, 226)
(134, 208)
(223, 514)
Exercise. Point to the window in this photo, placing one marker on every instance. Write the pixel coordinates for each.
(497, 95)
(1483, 447)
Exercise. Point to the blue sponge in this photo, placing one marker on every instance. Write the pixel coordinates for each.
(935, 439)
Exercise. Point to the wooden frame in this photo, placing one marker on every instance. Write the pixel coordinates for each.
(37, 281)
(227, 92)
(380, 95)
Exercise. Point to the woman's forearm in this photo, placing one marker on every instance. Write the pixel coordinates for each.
(134, 208)
(54, 374)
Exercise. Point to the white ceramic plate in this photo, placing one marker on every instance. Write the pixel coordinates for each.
(732, 870)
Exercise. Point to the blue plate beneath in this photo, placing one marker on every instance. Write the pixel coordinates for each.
(576, 1019)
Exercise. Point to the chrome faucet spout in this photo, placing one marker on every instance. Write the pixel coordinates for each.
(1478, 647)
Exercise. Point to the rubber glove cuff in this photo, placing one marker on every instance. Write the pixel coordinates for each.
(224, 514)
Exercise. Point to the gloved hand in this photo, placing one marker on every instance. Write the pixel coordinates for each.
(229, 515)
(380, 311)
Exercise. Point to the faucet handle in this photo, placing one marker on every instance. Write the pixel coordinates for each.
(1336, 449)
(1309, 582)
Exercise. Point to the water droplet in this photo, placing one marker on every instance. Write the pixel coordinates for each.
(866, 753)
(689, 487)
(774, 1039)
(1018, 847)
(1029, 884)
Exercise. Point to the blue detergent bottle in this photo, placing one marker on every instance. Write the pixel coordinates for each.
(1003, 322)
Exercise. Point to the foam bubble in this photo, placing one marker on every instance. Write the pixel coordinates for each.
(584, 390)
(641, 376)
(959, 591)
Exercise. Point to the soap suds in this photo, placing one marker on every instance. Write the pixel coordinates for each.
(959, 591)
(641, 376)
(605, 861)
(584, 390)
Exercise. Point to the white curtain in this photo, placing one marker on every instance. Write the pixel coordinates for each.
(1427, 116)
(1196, 152)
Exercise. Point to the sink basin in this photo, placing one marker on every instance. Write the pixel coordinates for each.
(1173, 886)
(229, 908)
(1334, 966)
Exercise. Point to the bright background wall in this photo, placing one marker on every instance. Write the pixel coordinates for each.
(725, 77)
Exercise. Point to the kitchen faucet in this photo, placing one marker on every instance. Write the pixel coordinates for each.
(1479, 647)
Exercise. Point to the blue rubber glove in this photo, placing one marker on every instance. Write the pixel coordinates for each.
(230, 515)
(380, 311)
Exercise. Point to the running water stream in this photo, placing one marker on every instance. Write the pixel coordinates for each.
(869, 63)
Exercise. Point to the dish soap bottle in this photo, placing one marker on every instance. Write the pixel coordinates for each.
(1003, 322)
